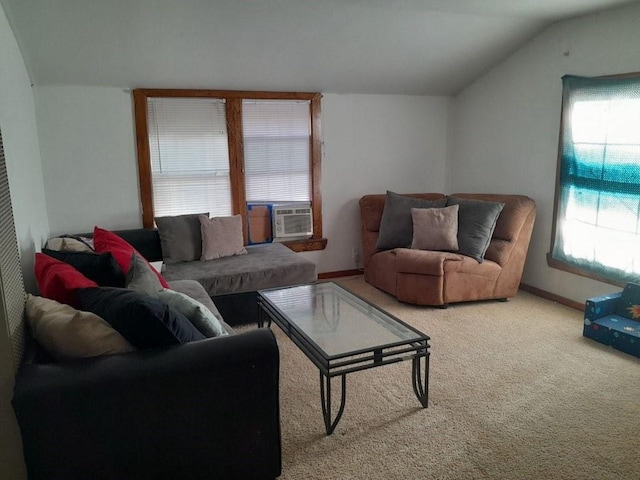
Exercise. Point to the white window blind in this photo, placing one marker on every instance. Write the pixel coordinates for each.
(189, 156)
(277, 150)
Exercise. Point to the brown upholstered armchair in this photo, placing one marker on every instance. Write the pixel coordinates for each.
(426, 277)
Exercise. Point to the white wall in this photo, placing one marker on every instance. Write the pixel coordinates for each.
(89, 162)
(506, 125)
(22, 152)
(371, 143)
(374, 143)
(20, 140)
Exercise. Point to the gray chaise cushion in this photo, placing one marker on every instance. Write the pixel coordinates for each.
(264, 266)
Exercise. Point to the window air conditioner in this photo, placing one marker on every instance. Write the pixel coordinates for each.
(292, 221)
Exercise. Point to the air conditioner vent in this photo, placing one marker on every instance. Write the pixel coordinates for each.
(292, 221)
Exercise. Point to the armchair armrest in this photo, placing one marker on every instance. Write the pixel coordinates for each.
(598, 307)
(206, 409)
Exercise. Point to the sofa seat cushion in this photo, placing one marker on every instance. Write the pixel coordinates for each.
(469, 266)
(264, 266)
(423, 262)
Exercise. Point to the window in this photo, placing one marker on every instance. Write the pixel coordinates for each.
(214, 151)
(597, 205)
(189, 156)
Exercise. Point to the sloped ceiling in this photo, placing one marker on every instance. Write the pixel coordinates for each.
(429, 47)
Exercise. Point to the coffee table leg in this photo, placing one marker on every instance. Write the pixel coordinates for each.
(325, 396)
(420, 387)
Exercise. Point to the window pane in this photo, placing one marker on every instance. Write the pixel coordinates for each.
(277, 150)
(189, 156)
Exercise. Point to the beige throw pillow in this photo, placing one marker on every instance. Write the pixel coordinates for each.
(68, 244)
(221, 237)
(435, 228)
(65, 332)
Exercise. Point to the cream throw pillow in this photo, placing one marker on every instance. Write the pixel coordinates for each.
(221, 237)
(65, 332)
(435, 228)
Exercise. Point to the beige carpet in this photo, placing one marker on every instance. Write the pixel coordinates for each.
(516, 392)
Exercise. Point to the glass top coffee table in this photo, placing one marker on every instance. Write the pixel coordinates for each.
(342, 333)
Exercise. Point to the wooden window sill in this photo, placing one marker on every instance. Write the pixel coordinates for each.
(307, 245)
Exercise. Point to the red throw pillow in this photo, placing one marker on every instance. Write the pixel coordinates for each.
(106, 241)
(58, 280)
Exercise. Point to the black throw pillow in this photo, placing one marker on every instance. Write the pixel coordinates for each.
(144, 321)
(102, 268)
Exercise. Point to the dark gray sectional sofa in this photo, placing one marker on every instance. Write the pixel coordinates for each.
(202, 410)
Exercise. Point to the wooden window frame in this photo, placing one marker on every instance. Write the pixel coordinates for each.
(233, 99)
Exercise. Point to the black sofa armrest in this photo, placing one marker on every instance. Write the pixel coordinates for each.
(207, 409)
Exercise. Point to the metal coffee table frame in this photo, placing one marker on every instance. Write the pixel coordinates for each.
(416, 349)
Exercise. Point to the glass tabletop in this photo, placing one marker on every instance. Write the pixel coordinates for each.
(338, 322)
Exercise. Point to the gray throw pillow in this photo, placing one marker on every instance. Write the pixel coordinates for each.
(141, 277)
(396, 224)
(180, 237)
(476, 222)
(206, 321)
